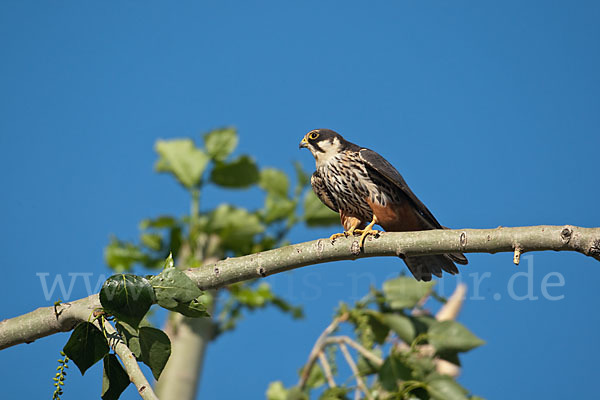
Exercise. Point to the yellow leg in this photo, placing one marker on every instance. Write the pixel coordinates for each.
(367, 231)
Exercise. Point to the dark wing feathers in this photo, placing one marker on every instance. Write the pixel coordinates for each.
(387, 170)
(421, 267)
(320, 189)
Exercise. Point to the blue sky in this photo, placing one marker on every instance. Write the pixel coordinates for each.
(489, 109)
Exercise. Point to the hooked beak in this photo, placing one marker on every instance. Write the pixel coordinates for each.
(303, 143)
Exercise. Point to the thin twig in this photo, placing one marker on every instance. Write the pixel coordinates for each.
(451, 308)
(326, 369)
(359, 381)
(369, 355)
(136, 376)
(449, 311)
(317, 348)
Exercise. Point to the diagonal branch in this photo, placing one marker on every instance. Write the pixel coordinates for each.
(130, 363)
(49, 320)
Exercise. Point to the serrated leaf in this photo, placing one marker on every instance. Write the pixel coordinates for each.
(114, 378)
(128, 297)
(452, 336)
(240, 173)
(86, 346)
(402, 325)
(318, 214)
(394, 369)
(173, 287)
(220, 143)
(183, 159)
(131, 337)
(156, 349)
(404, 292)
(274, 181)
(441, 387)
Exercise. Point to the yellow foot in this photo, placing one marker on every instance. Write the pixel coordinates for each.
(364, 234)
(367, 231)
(347, 233)
(338, 235)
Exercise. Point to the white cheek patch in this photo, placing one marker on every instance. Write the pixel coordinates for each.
(330, 150)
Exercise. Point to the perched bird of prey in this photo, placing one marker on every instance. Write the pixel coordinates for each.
(365, 189)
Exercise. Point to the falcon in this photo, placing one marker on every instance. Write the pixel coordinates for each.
(365, 189)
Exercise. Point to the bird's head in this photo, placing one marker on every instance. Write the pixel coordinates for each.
(323, 144)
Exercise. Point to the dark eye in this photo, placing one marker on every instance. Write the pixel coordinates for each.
(313, 135)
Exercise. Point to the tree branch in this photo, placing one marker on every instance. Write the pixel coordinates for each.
(136, 376)
(43, 322)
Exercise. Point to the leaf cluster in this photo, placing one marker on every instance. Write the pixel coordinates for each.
(127, 298)
(214, 233)
(393, 321)
(228, 229)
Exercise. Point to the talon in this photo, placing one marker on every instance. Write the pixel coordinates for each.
(337, 235)
(347, 233)
(367, 231)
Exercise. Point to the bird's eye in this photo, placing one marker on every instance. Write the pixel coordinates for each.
(313, 135)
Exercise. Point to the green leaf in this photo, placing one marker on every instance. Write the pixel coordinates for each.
(240, 173)
(156, 349)
(422, 323)
(121, 256)
(452, 336)
(402, 325)
(278, 208)
(274, 181)
(365, 366)
(114, 378)
(128, 297)
(183, 159)
(173, 287)
(284, 306)
(450, 356)
(378, 325)
(296, 394)
(160, 222)
(393, 370)
(277, 391)
(86, 346)
(236, 227)
(220, 143)
(316, 377)
(251, 297)
(318, 214)
(302, 178)
(335, 393)
(442, 387)
(405, 292)
(153, 241)
(192, 309)
(131, 337)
